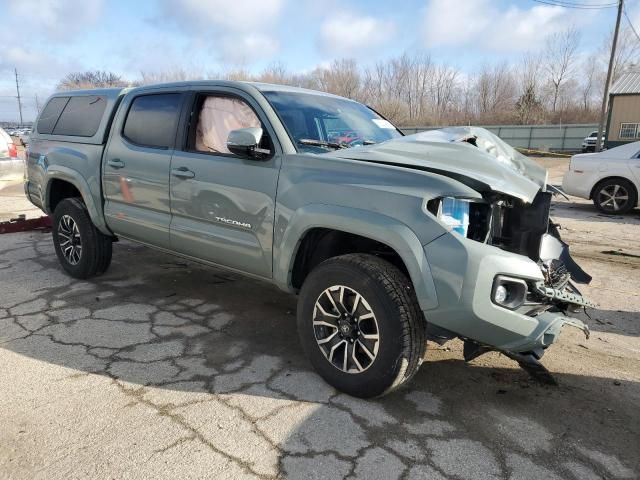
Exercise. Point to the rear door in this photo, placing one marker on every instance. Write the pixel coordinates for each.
(136, 166)
(223, 204)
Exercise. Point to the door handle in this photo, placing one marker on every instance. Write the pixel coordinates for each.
(182, 172)
(115, 163)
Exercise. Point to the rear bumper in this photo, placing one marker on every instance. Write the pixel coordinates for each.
(463, 273)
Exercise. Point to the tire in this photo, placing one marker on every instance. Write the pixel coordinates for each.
(615, 196)
(71, 223)
(397, 321)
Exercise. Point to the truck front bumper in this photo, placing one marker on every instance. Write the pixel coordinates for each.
(464, 271)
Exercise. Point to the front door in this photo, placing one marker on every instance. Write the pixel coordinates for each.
(222, 204)
(136, 167)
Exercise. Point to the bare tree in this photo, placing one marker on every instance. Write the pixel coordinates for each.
(90, 79)
(443, 90)
(495, 91)
(412, 89)
(275, 73)
(342, 77)
(528, 107)
(173, 75)
(560, 60)
(589, 78)
(627, 53)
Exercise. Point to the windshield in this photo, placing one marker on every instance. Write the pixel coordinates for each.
(318, 123)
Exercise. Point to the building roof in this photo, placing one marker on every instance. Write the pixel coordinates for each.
(628, 83)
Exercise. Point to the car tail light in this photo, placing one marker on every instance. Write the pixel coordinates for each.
(13, 151)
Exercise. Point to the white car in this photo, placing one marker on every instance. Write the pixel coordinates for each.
(589, 143)
(8, 150)
(610, 178)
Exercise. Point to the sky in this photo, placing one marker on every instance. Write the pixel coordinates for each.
(46, 39)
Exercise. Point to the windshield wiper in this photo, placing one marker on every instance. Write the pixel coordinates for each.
(321, 143)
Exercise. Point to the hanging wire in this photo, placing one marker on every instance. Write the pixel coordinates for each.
(633, 29)
(580, 6)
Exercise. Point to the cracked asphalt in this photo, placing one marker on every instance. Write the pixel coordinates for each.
(163, 368)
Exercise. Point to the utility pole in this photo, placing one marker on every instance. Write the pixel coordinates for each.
(607, 85)
(37, 103)
(18, 90)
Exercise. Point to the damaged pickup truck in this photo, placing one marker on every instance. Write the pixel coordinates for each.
(387, 239)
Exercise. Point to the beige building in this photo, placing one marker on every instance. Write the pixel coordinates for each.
(623, 124)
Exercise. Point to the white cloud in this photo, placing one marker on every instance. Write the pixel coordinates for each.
(486, 24)
(238, 31)
(233, 15)
(57, 19)
(347, 34)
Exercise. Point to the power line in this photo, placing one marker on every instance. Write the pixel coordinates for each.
(633, 29)
(579, 6)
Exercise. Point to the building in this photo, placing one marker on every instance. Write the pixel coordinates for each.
(623, 124)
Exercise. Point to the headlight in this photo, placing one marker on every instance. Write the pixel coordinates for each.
(508, 292)
(468, 217)
(453, 212)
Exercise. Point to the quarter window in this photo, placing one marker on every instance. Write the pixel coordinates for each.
(629, 130)
(152, 120)
(81, 117)
(51, 113)
(217, 116)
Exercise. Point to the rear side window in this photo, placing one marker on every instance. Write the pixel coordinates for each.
(152, 120)
(51, 113)
(81, 117)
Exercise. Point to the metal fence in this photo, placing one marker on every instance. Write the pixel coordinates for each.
(534, 137)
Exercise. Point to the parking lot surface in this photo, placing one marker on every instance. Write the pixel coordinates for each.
(162, 368)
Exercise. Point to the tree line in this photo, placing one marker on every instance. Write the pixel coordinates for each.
(560, 84)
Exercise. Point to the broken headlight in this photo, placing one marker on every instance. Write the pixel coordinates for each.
(468, 217)
(509, 292)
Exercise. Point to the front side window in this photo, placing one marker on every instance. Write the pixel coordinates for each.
(217, 116)
(318, 123)
(152, 120)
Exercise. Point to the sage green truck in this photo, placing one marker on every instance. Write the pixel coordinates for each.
(388, 240)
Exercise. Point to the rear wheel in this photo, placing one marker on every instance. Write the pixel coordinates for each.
(615, 195)
(360, 325)
(82, 250)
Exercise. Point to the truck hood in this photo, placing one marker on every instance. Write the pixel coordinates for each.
(472, 155)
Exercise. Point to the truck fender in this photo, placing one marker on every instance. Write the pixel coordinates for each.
(59, 172)
(365, 223)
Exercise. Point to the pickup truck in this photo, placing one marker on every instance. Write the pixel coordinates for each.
(388, 240)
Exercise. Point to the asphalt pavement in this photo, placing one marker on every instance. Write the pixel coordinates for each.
(162, 368)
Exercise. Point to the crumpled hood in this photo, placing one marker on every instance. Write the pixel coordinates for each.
(490, 164)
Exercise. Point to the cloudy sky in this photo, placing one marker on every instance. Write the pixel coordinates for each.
(46, 39)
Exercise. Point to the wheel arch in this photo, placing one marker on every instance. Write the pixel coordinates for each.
(341, 230)
(63, 182)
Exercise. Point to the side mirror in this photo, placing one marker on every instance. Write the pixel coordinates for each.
(244, 142)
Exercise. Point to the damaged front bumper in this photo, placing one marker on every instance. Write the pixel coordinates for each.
(464, 273)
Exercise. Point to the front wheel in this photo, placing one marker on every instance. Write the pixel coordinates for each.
(615, 195)
(360, 325)
(82, 250)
